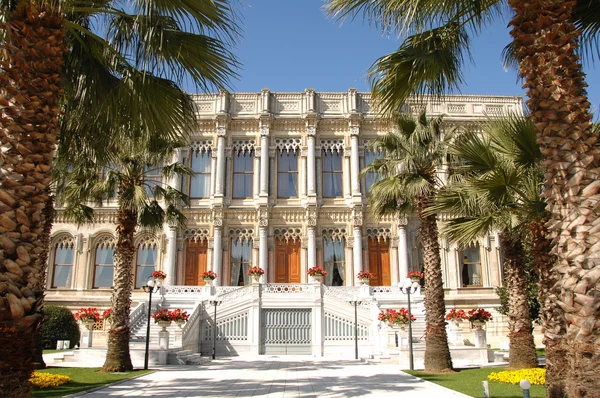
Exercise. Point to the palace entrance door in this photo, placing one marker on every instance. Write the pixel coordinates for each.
(287, 261)
(195, 262)
(379, 262)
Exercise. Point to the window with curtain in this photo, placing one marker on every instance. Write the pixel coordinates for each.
(241, 261)
(243, 173)
(287, 174)
(334, 261)
(63, 266)
(471, 266)
(200, 181)
(146, 263)
(371, 177)
(332, 173)
(104, 267)
(152, 178)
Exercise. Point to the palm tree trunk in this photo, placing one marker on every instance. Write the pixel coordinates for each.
(117, 355)
(521, 353)
(554, 323)
(546, 43)
(31, 58)
(437, 353)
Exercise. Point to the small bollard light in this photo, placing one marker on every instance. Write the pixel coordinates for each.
(525, 385)
(486, 389)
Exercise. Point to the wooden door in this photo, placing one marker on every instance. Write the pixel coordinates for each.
(287, 261)
(379, 262)
(195, 262)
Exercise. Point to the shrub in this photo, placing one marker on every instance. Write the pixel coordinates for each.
(59, 324)
(45, 380)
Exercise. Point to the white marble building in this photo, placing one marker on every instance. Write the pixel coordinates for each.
(277, 185)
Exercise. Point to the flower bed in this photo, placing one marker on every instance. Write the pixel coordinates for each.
(534, 375)
(46, 380)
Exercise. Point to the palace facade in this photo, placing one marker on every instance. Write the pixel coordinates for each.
(277, 185)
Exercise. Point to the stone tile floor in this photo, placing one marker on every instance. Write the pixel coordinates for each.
(276, 376)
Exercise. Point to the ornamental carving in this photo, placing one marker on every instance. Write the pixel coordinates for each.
(357, 217)
(354, 130)
(196, 234)
(202, 146)
(221, 131)
(106, 241)
(241, 234)
(332, 145)
(147, 241)
(311, 216)
(218, 216)
(379, 234)
(65, 241)
(241, 146)
(335, 234)
(263, 217)
(288, 144)
(288, 234)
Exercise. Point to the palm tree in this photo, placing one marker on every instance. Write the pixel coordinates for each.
(139, 202)
(547, 38)
(66, 75)
(408, 183)
(496, 188)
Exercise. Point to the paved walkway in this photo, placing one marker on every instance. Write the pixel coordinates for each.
(272, 376)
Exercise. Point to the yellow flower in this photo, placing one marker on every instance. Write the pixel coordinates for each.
(45, 380)
(534, 375)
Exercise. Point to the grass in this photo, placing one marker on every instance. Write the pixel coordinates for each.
(82, 379)
(468, 381)
(55, 351)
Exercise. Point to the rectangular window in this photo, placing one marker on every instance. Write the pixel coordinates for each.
(104, 267)
(371, 177)
(287, 174)
(152, 178)
(243, 173)
(63, 267)
(146, 262)
(200, 181)
(241, 261)
(334, 261)
(471, 266)
(332, 173)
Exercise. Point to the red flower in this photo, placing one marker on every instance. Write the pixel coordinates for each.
(365, 275)
(415, 274)
(162, 315)
(317, 271)
(179, 315)
(396, 317)
(456, 315)
(479, 314)
(256, 271)
(159, 275)
(209, 275)
(107, 313)
(87, 314)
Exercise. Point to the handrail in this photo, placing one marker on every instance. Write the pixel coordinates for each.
(191, 324)
(137, 313)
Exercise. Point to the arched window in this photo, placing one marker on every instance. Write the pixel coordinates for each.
(334, 261)
(145, 263)
(62, 269)
(104, 264)
(241, 261)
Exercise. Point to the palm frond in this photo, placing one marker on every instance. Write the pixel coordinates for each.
(587, 19)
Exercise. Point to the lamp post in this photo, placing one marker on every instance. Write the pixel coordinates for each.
(215, 303)
(151, 286)
(408, 287)
(355, 303)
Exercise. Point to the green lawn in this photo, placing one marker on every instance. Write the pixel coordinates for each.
(468, 381)
(81, 379)
(55, 351)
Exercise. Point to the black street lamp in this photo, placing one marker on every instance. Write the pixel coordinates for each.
(152, 286)
(355, 303)
(215, 303)
(408, 287)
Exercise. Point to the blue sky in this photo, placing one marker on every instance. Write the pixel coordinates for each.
(289, 45)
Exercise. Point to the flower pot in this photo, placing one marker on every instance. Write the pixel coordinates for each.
(255, 278)
(180, 323)
(208, 281)
(318, 278)
(416, 279)
(89, 324)
(477, 324)
(164, 325)
(364, 281)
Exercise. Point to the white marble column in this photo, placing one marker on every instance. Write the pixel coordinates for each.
(175, 180)
(171, 263)
(354, 167)
(402, 253)
(217, 255)
(263, 252)
(312, 247)
(264, 162)
(357, 252)
(220, 172)
(311, 165)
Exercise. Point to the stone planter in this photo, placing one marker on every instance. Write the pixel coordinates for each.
(477, 324)
(180, 323)
(164, 325)
(318, 278)
(418, 280)
(255, 278)
(89, 324)
(364, 281)
(455, 335)
(208, 281)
